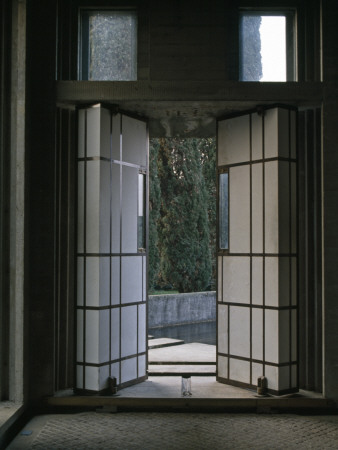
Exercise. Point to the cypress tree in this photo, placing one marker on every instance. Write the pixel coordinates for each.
(154, 214)
(184, 227)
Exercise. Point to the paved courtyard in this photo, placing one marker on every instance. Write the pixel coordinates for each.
(140, 430)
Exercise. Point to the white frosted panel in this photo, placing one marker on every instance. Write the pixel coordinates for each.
(223, 329)
(222, 367)
(92, 376)
(115, 371)
(271, 336)
(257, 333)
(115, 280)
(97, 281)
(93, 131)
(104, 223)
(294, 281)
(79, 336)
(93, 207)
(271, 373)
(129, 209)
(142, 366)
(294, 376)
(81, 134)
(104, 336)
(219, 279)
(144, 281)
(257, 371)
(80, 281)
(271, 281)
(284, 281)
(134, 141)
(257, 280)
(115, 209)
(256, 137)
(271, 133)
(103, 377)
(293, 208)
(80, 206)
(293, 335)
(257, 208)
(239, 211)
(93, 281)
(105, 133)
(283, 133)
(293, 134)
(234, 140)
(284, 378)
(131, 279)
(128, 370)
(115, 333)
(284, 207)
(79, 377)
(271, 207)
(128, 330)
(240, 331)
(284, 336)
(92, 337)
(239, 371)
(236, 279)
(116, 137)
(142, 328)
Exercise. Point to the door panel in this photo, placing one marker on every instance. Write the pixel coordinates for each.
(257, 283)
(111, 272)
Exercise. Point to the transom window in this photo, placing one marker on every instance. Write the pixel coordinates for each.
(108, 45)
(266, 46)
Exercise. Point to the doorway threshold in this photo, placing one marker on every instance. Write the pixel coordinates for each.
(164, 393)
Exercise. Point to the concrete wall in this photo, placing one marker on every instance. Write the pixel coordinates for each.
(176, 309)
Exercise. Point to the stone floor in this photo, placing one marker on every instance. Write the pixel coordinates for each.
(130, 430)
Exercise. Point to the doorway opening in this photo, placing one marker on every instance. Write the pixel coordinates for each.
(182, 256)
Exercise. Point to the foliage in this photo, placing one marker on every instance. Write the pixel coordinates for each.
(186, 208)
(251, 64)
(154, 214)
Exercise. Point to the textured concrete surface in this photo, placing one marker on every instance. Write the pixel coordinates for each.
(172, 369)
(201, 387)
(173, 309)
(163, 342)
(183, 354)
(177, 431)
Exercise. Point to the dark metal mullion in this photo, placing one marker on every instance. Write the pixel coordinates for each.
(110, 236)
(120, 310)
(250, 193)
(84, 250)
(290, 249)
(263, 204)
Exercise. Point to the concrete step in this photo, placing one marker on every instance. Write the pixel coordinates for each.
(164, 342)
(193, 353)
(150, 337)
(182, 369)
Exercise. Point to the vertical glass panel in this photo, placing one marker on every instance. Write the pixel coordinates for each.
(224, 211)
(108, 45)
(141, 212)
(263, 47)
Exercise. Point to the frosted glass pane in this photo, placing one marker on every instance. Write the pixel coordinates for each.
(109, 45)
(134, 141)
(223, 211)
(129, 209)
(128, 328)
(262, 48)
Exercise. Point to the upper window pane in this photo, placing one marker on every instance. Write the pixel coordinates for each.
(264, 53)
(108, 46)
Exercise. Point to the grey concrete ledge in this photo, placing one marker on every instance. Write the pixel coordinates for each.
(179, 309)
